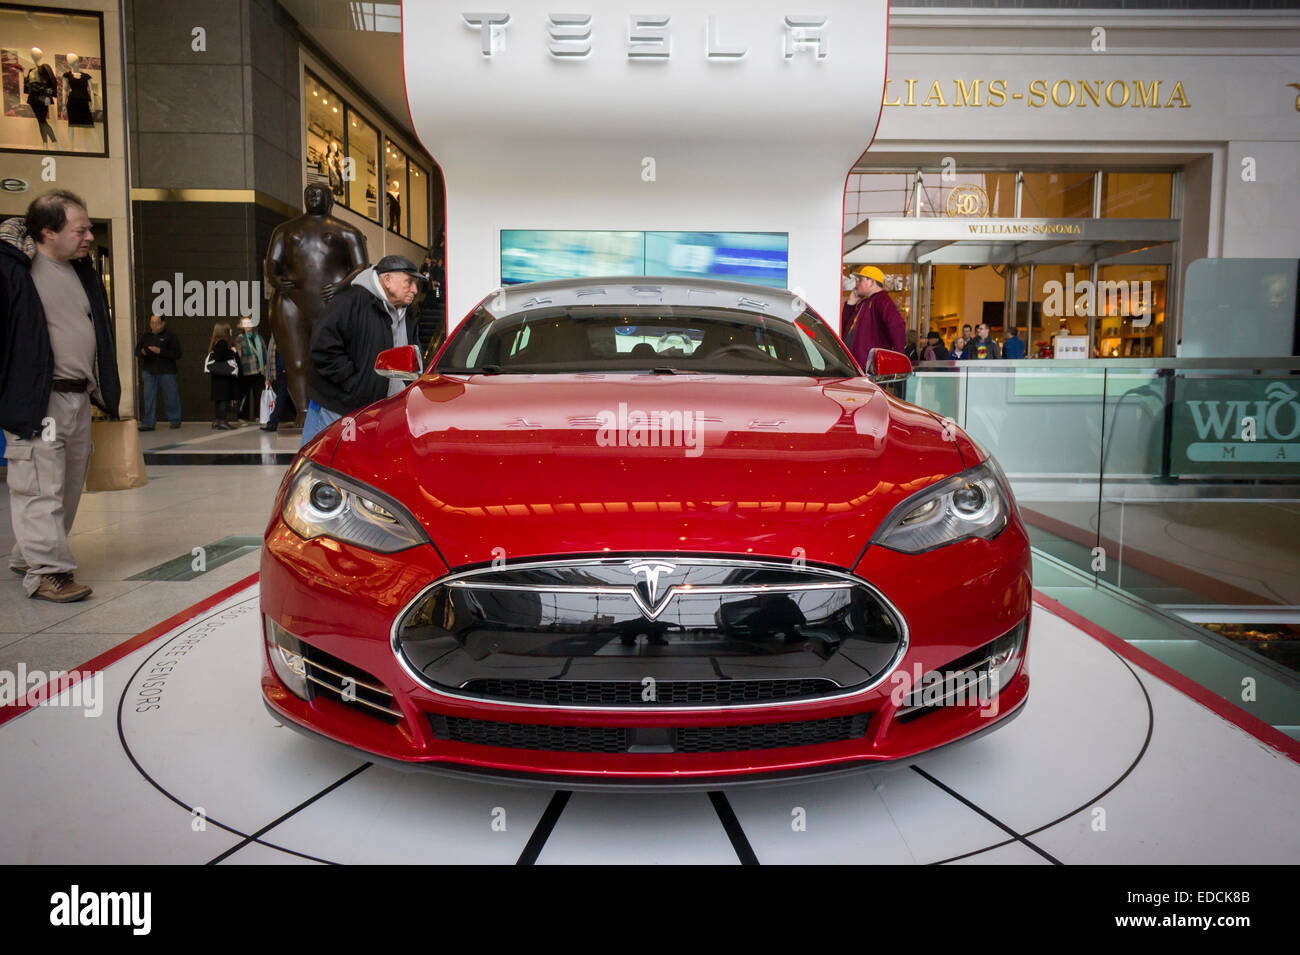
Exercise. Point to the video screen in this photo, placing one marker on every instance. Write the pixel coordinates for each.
(534, 255)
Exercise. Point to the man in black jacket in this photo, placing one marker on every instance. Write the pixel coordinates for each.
(367, 317)
(56, 357)
(158, 352)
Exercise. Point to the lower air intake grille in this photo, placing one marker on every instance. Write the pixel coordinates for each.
(666, 692)
(617, 739)
(349, 685)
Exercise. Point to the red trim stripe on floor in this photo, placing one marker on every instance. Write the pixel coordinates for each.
(1234, 714)
(109, 657)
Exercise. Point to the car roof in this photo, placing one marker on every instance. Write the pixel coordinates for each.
(646, 290)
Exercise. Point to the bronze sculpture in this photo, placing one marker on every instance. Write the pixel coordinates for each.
(308, 260)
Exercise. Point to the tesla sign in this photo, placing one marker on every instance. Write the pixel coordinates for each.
(740, 117)
(648, 37)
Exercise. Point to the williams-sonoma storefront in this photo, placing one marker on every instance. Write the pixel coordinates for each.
(1061, 173)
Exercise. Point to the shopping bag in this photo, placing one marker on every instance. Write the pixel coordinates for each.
(116, 461)
(268, 404)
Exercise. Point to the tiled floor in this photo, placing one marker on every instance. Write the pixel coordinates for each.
(118, 534)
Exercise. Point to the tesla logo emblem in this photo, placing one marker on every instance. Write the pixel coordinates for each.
(651, 571)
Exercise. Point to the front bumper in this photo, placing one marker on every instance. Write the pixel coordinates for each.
(343, 601)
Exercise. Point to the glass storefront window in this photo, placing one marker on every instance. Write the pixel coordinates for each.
(1131, 310)
(52, 65)
(966, 295)
(979, 195)
(363, 150)
(877, 194)
(1057, 308)
(1136, 195)
(1056, 195)
(324, 160)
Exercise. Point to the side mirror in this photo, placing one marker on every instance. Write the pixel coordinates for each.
(886, 365)
(402, 363)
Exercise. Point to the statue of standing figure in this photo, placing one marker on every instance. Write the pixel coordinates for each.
(307, 261)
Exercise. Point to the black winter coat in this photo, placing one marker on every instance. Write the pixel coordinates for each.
(164, 362)
(345, 341)
(26, 359)
(224, 387)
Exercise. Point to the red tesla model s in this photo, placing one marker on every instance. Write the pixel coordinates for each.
(641, 532)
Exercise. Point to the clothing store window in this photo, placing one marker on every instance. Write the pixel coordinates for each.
(363, 150)
(325, 152)
(395, 191)
(418, 193)
(53, 81)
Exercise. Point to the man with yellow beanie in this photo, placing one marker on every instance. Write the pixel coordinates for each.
(870, 318)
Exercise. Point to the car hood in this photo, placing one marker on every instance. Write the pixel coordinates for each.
(514, 466)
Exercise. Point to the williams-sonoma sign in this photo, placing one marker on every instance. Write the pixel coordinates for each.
(1060, 93)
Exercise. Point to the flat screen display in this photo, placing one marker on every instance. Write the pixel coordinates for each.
(534, 255)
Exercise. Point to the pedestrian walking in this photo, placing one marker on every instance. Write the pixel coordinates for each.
(57, 358)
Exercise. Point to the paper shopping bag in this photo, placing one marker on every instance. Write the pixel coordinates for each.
(116, 461)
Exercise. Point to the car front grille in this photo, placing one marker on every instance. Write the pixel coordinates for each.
(619, 739)
(650, 632)
(659, 692)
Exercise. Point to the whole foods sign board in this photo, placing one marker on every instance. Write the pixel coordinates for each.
(731, 116)
(1236, 427)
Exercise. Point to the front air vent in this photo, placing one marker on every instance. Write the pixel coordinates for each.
(967, 681)
(349, 685)
(659, 693)
(620, 739)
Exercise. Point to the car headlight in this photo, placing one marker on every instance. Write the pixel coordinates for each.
(974, 503)
(323, 503)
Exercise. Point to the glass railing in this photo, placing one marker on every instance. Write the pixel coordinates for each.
(1171, 484)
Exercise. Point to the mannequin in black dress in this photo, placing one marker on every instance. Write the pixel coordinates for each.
(79, 99)
(41, 87)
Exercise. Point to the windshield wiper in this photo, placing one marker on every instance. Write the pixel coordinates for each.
(663, 370)
(485, 370)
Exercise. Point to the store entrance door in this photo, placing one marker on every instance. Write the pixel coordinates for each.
(1099, 282)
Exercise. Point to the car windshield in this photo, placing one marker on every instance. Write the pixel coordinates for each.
(645, 338)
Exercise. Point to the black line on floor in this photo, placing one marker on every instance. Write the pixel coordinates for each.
(1146, 743)
(727, 816)
(544, 827)
(997, 822)
(121, 738)
(255, 837)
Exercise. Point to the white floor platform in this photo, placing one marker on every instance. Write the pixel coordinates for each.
(208, 776)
